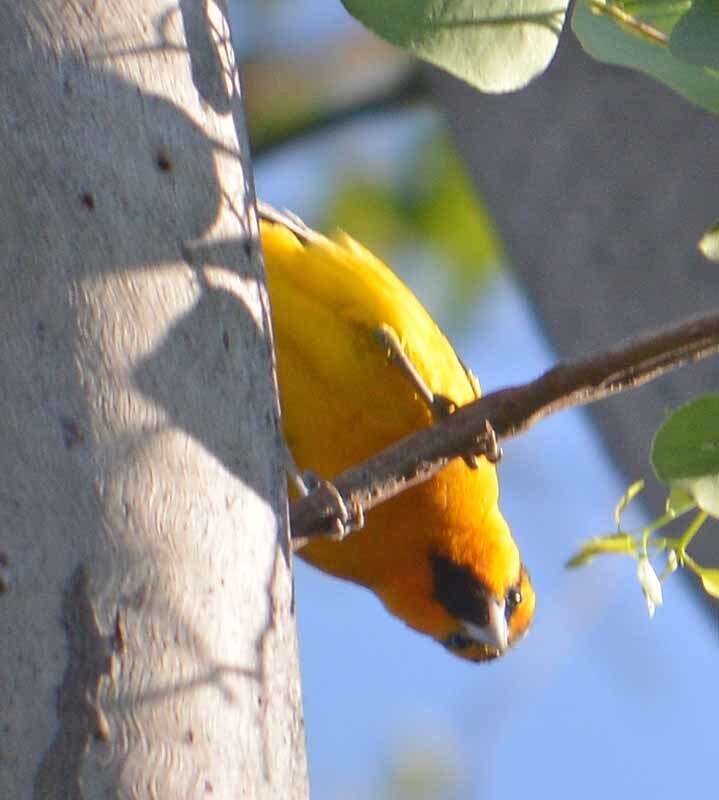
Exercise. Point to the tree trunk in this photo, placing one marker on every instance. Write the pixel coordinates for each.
(146, 626)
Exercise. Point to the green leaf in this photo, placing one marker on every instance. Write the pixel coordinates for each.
(425, 207)
(709, 243)
(695, 37)
(673, 42)
(687, 444)
(495, 46)
(710, 581)
(603, 545)
(626, 499)
(446, 206)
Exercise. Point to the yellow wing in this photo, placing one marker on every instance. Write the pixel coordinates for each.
(329, 298)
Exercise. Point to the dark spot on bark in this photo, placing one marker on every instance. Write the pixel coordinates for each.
(164, 163)
(88, 200)
(72, 434)
(4, 560)
(226, 341)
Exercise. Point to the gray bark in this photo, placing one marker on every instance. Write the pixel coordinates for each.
(601, 181)
(146, 625)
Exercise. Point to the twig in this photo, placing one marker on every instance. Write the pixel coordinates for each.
(410, 90)
(510, 411)
(635, 24)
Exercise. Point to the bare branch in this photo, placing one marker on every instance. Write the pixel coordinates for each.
(510, 411)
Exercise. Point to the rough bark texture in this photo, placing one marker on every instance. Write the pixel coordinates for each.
(146, 629)
(602, 182)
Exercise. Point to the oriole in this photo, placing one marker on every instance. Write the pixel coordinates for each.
(440, 556)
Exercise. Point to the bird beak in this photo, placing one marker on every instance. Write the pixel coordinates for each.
(496, 632)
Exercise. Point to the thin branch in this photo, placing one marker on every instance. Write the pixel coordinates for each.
(411, 90)
(633, 23)
(510, 411)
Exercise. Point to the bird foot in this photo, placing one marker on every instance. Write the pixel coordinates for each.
(487, 446)
(346, 517)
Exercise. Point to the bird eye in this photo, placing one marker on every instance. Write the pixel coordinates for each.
(511, 601)
(458, 641)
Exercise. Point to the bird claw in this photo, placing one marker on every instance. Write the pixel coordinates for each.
(439, 405)
(346, 518)
(487, 446)
(486, 443)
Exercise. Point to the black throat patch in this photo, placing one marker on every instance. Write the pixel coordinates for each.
(459, 591)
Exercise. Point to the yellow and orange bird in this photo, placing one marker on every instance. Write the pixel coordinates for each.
(440, 556)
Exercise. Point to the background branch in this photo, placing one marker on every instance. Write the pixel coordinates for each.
(510, 411)
(387, 98)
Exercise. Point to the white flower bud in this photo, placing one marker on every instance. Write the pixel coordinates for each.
(650, 584)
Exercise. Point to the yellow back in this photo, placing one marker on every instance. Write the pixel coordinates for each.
(328, 300)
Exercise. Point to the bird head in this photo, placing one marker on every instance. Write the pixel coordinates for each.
(480, 623)
(471, 593)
